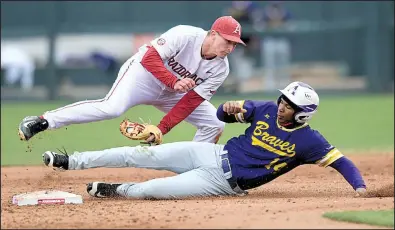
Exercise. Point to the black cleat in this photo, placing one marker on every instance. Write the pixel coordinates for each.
(102, 190)
(30, 126)
(56, 160)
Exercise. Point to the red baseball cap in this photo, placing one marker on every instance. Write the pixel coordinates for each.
(228, 28)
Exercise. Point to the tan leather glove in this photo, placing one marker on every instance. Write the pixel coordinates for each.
(137, 131)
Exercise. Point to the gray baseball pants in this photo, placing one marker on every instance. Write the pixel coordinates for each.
(198, 165)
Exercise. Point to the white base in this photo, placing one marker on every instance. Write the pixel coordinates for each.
(46, 197)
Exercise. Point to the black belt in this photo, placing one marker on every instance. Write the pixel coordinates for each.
(228, 174)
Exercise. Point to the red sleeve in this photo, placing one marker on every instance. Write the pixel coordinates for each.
(153, 63)
(187, 104)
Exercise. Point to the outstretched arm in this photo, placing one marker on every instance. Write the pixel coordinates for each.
(351, 173)
(153, 134)
(323, 154)
(191, 100)
(187, 104)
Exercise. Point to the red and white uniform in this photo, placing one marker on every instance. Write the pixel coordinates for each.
(148, 77)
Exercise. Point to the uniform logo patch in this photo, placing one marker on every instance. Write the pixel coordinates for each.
(161, 41)
(237, 29)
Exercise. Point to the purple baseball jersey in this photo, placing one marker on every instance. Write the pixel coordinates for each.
(267, 150)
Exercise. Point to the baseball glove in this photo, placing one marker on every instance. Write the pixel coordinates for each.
(137, 131)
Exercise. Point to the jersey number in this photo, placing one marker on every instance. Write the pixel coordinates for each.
(275, 166)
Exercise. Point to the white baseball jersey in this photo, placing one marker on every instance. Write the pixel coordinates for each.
(180, 49)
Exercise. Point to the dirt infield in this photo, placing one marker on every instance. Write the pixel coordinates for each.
(295, 200)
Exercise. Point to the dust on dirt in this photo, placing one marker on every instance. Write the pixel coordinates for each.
(295, 200)
(384, 191)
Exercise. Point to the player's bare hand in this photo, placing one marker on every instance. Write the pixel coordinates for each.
(361, 192)
(233, 107)
(150, 140)
(184, 85)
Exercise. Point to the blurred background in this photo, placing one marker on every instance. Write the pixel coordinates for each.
(73, 49)
(55, 53)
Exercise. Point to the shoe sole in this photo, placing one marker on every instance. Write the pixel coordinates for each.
(21, 135)
(51, 157)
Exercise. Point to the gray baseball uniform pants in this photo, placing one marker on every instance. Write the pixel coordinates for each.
(198, 165)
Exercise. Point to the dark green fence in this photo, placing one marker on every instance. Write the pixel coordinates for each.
(358, 33)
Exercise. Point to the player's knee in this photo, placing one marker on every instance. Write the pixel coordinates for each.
(115, 113)
(219, 127)
(211, 133)
(113, 110)
(218, 131)
(213, 129)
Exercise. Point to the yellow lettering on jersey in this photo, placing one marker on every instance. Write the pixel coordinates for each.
(271, 139)
(257, 142)
(291, 148)
(260, 126)
(285, 144)
(279, 166)
(265, 140)
(277, 142)
(272, 163)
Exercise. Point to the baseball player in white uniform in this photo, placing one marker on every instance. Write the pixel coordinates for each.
(177, 73)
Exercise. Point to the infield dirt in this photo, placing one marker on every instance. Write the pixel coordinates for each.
(295, 200)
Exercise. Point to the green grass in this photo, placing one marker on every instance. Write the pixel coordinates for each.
(383, 218)
(349, 122)
(362, 123)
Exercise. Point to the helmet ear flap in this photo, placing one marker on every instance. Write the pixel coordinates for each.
(302, 117)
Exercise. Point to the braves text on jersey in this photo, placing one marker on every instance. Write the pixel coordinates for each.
(268, 150)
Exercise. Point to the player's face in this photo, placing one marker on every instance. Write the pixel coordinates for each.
(285, 112)
(221, 46)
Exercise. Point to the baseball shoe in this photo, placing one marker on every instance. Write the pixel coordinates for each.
(30, 126)
(102, 190)
(56, 160)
